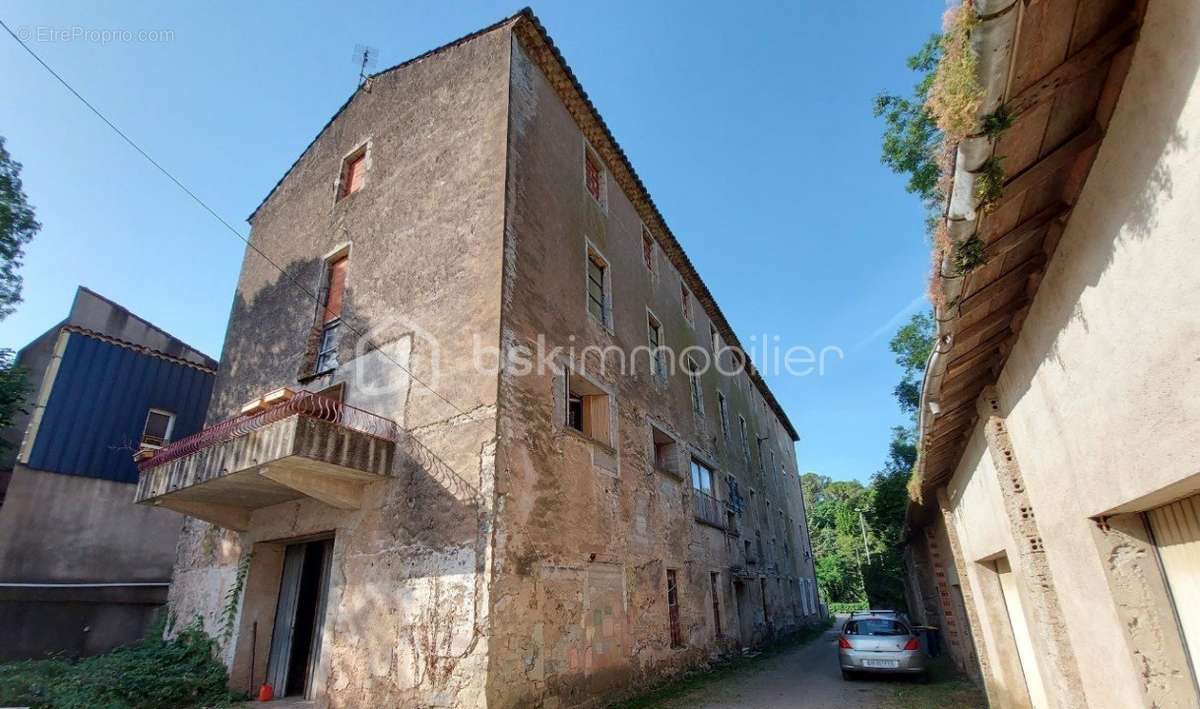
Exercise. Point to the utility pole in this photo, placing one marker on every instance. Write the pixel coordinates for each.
(862, 524)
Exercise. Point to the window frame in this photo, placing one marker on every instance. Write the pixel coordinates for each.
(170, 428)
(358, 156)
(649, 251)
(744, 430)
(593, 256)
(685, 302)
(723, 414)
(658, 369)
(696, 466)
(695, 387)
(591, 158)
(674, 626)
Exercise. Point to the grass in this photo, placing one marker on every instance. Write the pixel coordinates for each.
(947, 689)
(700, 678)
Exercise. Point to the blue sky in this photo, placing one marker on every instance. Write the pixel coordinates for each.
(751, 126)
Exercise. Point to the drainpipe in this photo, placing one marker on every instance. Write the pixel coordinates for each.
(992, 40)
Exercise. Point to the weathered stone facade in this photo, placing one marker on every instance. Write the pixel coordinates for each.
(507, 560)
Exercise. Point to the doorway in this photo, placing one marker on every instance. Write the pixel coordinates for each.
(745, 611)
(1020, 631)
(299, 618)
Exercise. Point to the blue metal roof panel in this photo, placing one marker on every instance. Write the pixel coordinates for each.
(97, 407)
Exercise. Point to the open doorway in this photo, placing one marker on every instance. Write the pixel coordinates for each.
(745, 611)
(299, 618)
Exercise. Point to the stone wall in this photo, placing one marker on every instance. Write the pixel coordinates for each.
(407, 610)
(586, 530)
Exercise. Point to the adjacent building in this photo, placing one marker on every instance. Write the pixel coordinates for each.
(1057, 541)
(467, 446)
(83, 569)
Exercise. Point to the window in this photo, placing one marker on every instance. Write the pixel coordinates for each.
(745, 439)
(157, 430)
(685, 301)
(665, 450)
(715, 337)
(331, 313)
(648, 249)
(876, 627)
(587, 408)
(354, 168)
(716, 601)
(598, 292)
(593, 175)
(673, 609)
(702, 477)
(697, 392)
(762, 459)
(654, 336)
(723, 410)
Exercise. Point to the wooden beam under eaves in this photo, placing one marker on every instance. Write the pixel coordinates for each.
(1011, 277)
(988, 322)
(1048, 166)
(1076, 66)
(1018, 235)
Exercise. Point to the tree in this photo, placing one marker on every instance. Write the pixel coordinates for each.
(912, 345)
(17, 228)
(911, 139)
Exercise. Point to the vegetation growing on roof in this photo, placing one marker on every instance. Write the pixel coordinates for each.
(989, 184)
(955, 94)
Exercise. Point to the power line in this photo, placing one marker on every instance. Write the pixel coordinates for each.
(210, 210)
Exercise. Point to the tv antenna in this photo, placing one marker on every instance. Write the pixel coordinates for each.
(365, 59)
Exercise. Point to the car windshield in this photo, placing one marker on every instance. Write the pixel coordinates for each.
(875, 626)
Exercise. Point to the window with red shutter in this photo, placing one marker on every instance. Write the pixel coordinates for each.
(353, 172)
(592, 175)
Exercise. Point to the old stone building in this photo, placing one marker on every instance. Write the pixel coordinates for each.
(447, 462)
(1057, 536)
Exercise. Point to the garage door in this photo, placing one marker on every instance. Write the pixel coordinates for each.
(1176, 530)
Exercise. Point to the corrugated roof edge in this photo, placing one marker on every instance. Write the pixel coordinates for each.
(685, 264)
(142, 349)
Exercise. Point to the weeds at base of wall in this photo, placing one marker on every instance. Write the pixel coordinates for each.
(947, 689)
(151, 674)
(697, 678)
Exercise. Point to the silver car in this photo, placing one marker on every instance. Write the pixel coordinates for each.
(882, 644)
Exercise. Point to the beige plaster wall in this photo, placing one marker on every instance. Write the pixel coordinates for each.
(1100, 390)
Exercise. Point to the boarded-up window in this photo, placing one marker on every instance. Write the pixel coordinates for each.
(673, 609)
(354, 170)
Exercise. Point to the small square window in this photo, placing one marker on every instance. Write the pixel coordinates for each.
(156, 432)
(587, 409)
(665, 451)
(354, 169)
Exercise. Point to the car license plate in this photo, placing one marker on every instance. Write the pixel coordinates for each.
(882, 664)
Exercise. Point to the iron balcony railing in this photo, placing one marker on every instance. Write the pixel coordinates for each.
(303, 404)
(708, 509)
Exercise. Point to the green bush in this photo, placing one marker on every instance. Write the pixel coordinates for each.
(153, 674)
(835, 608)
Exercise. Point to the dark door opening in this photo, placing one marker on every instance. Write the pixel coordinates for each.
(299, 617)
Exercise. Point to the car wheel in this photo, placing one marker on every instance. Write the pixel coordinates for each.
(848, 675)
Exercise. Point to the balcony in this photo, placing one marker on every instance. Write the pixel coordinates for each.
(708, 509)
(308, 446)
